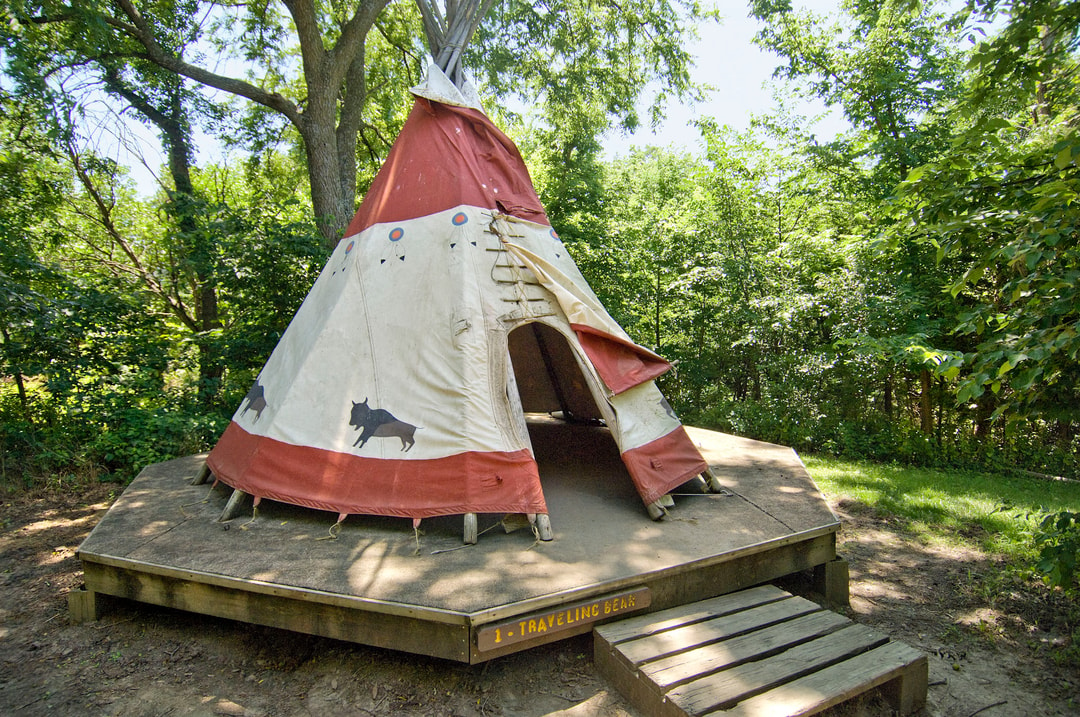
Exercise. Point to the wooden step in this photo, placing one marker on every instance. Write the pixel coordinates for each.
(756, 652)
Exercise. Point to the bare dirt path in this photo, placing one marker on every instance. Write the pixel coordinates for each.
(140, 660)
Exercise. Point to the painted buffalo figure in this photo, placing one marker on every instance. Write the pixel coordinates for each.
(256, 401)
(381, 424)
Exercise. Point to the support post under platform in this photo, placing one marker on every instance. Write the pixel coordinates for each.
(831, 581)
(86, 605)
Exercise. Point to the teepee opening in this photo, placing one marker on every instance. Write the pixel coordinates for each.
(549, 375)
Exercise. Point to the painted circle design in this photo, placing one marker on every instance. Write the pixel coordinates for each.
(396, 233)
(349, 248)
(460, 218)
(554, 234)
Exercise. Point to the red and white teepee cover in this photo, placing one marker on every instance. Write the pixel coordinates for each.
(387, 394)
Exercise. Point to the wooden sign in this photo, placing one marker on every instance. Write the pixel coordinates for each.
(561, 619)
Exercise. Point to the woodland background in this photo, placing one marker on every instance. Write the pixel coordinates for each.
(908, 292)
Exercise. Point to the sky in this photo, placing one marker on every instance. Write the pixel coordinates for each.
(741, 75)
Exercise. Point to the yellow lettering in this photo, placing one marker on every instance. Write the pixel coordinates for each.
(622, 604)
(595, 610)
(532, 626)
(632, 598)
(498, 636)
(521, 627)
(541, 626)
(550, 621)
(607, 607)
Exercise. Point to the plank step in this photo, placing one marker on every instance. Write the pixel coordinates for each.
(756, 652)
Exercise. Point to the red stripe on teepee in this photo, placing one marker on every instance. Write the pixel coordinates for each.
(471, 482)
(621, 364)
(446, 157)
(661, 465)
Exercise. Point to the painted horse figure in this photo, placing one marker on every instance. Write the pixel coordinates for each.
(381, 424)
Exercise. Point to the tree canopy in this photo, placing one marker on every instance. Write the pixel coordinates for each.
(335, 72)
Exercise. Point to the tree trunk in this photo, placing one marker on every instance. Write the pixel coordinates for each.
(1042, 112)
(887, 403)
(332, 204)
(175, 129)
(657, 308)
(171, 119)
(926, 403)
(20, 386)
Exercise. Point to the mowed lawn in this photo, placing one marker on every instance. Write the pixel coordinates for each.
(994, 512)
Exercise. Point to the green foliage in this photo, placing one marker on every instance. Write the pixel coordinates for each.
(104, 370)
(1006, 200)
(587, 61)
(887, 65)
(1001, 205)
(1058, 541)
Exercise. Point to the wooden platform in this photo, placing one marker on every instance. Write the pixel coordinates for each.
(379, 583)
(756, 652)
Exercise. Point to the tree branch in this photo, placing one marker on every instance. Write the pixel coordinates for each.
(351, 41)
(140, 30)
(105, 219)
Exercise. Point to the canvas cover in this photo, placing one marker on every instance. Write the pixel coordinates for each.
(447, 309)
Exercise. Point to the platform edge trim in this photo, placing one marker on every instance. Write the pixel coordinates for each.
(582, 592)
(385, 607)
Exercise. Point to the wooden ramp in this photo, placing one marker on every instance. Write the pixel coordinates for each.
(756, 652)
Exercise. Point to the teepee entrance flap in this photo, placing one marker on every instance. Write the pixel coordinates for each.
(621, 363)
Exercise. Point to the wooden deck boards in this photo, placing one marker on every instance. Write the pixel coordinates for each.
(161, 543)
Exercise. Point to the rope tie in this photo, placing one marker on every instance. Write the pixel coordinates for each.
(334, 531)
(416, 534)
(204, 500)
(254, 515)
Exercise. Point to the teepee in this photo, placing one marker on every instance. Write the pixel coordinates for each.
(448, 311)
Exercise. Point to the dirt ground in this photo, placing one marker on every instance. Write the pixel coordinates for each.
(991, 660)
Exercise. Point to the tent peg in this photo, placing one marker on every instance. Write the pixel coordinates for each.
(656, 510)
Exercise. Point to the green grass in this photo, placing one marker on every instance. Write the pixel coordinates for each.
(949, 505)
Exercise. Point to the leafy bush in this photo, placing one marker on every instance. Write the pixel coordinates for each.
(1058, 541)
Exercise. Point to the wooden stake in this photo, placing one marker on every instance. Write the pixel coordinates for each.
(233, 507)
(712, 481)
(203, 477)
(470, 528)
(543, 527)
